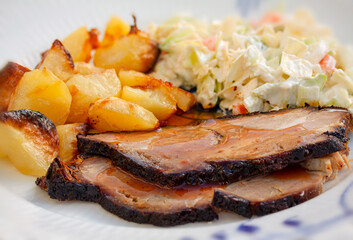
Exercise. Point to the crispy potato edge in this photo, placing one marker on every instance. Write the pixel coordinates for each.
(57, 44)
(21, 119)
(10, 76)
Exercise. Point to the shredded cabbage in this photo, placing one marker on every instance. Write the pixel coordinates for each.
(262, 65)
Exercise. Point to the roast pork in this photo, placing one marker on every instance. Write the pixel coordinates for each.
(220, 151)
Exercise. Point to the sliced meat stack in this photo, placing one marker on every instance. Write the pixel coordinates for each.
(269, 194)
(146, 177)
(96, 179)
(224, 150)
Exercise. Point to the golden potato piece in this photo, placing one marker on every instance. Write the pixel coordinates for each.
(42, 91)
(155, 99)
(58, 60)
(184, 99)
(134, 51)
(86, 89)
(116, 27)
(10, 76)
(134, 78)
(2, 155)
(115, 114)
(80, 44)
(68, 142)
(29, 140)
(84, 68)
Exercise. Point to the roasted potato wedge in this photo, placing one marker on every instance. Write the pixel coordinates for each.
(80, 44)
(10, 76)
(155, 99)
(134, 51)
(115, 114)
(116, 27)
(68, 142)
(2, 155)
(29, 140)
(42, 91)
(58, 60)
(84, 68)
(86, 89)
(184, 99)
(133, 78)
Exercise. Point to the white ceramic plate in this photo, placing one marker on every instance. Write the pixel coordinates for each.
(27, 28)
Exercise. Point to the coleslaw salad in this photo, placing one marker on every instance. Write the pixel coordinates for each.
(247, 66)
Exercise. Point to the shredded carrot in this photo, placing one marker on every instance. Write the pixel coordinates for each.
(239, 109)
(328, 64)
(271, 17)
(210, 43)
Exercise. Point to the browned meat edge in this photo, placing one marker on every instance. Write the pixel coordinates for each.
(62, 186)
(219, 172)
(280, 110)
(246, 208)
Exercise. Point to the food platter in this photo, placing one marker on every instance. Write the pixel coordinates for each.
(27, 212)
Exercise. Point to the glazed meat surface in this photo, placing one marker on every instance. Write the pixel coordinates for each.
(224, 150)
(269, 194)
(96, 179)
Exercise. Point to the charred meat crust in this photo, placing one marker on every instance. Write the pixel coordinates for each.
(61, 185)
(159, 219)
(218, 172)
(83, 128)
(229, 170)
(246, 208)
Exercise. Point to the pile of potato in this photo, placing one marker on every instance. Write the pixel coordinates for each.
(114, 94)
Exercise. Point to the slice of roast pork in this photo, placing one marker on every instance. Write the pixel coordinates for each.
(268, 194)
(96, 179)
(329, 165)
(225, 150)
